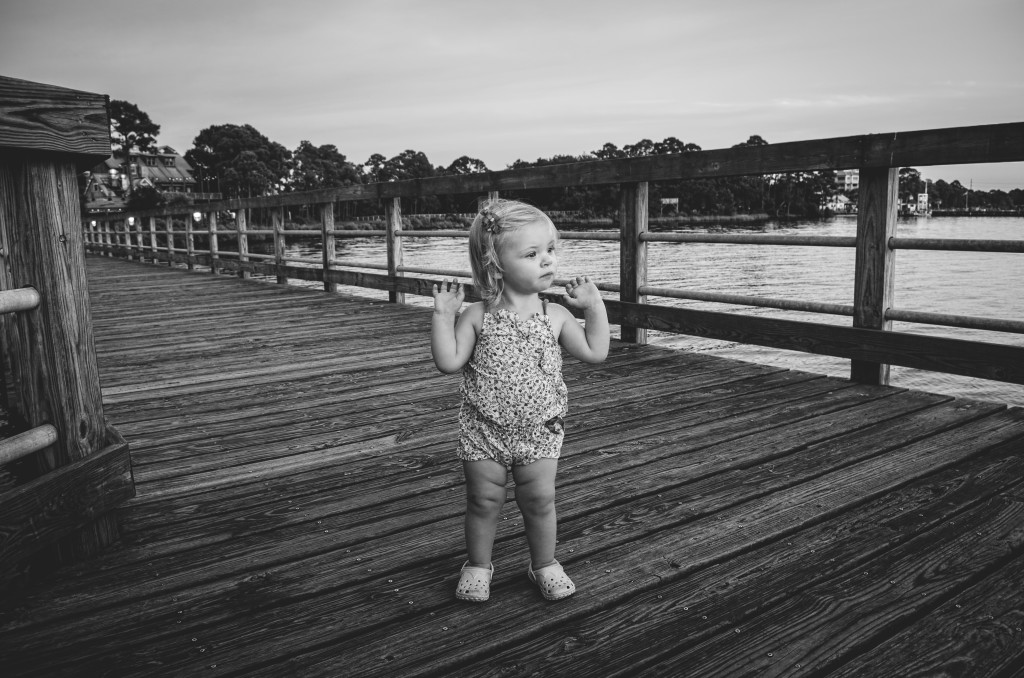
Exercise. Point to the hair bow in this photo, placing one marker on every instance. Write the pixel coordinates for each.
(489, 221)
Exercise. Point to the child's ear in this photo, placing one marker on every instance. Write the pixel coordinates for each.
(497, 275)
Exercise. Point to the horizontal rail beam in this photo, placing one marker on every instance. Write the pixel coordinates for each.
(744, 300)
(24, 444)
(938, 354)
(21, 299)
(948, 320)
(751, 239)
(957, 245)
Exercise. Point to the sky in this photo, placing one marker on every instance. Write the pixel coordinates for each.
(501, 81)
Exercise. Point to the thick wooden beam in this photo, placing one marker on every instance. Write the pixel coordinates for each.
(37, 118)
(393, 219)
(329, 249)
(241, 223)
(51, 351)
(38, 514)
(875, 267)
(277, 223)
(633, 221)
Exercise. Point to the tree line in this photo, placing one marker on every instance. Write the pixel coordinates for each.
(239, 161)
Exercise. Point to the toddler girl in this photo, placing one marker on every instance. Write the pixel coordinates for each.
(514, 398)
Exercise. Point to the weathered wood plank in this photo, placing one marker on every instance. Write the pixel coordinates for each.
(46, 118)
(977, 633)
(624, 640)
(39, 513)
(720, 487)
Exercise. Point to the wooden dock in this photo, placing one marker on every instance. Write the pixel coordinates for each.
(299, 511)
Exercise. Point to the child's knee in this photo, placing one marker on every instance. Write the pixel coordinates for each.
(535, 497)
(485, 499)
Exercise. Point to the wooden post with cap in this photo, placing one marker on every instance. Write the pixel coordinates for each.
(63, 511)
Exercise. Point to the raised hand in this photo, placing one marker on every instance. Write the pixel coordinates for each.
(448, 297)
(583, 293)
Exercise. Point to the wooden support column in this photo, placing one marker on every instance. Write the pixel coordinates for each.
(243, 242)
(44, 132)
(329, 249)
(139, 242)
(152, 239)
(190, 242)
(875, 267)
(393, 217)
(169, 228)
(277, 219)
(214, 246)
(633, 220)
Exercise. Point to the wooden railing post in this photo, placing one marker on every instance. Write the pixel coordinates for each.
(875, 267)
(633, 220)
(214, 246)
(104, 237)
(190, 242)
(140, 244)
(243, 241)
(329, 249)
(169, 227)
(56, 374)
(154, 254)
(393, 217)
(277, 219)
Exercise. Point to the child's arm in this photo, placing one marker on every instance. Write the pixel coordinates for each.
(451, 343)
(591, 344)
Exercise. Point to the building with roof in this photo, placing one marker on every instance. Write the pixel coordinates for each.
(107, 185)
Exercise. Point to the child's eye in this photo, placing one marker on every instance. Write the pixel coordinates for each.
(531, 255)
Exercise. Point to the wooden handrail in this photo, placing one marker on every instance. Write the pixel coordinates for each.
(877, 156)
(15, 301)
(23, 444)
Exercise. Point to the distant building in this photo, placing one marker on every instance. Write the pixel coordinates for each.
(106, 186)
(848, 180)
(839, 204)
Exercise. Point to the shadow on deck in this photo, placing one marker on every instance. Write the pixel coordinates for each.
(299, 511)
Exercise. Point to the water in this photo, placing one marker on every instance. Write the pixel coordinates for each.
(962, 283)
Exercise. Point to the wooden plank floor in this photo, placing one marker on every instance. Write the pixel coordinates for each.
(299, 511)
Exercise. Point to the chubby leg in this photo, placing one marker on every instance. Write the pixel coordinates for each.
(485, 495)
(535, 494)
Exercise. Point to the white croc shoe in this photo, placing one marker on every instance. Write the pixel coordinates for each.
(474, 583)
(553, 582)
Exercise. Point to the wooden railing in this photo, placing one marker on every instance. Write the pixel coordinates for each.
(869, 343)
(73, 469)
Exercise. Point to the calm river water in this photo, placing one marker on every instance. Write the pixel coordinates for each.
(964, 283)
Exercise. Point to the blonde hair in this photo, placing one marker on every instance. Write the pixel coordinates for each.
(497, 218)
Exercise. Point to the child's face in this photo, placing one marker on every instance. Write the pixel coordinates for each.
(528, 258)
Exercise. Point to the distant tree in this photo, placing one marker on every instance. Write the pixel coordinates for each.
(242, 161)
(408, 164)
(466, 165)
(753, 140)
(640, 148)
(314, 167)
(131, 129)
(608, 151)
(372, 168)
(909, 184)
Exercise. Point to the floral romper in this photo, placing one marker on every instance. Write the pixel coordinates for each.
(514, 398)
